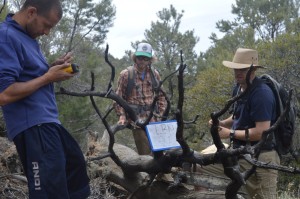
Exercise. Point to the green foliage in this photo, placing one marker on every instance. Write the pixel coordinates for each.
(281, 59)
(269, 18)
(293, 27)
(83, 20)
(209, 94)
(165, 38)
(224, 48)
(73, 112)
(284, 51)
(4, 10)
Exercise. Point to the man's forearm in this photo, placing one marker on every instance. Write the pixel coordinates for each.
(20, 90)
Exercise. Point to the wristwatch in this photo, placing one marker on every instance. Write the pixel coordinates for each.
(232, 134)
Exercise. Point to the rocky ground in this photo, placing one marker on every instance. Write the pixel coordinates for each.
(13, 183)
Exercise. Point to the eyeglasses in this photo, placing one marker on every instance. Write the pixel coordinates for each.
(140, 58)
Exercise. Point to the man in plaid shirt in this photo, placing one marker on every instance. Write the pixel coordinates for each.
(140, 97)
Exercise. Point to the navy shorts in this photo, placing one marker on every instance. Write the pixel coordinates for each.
(53, 163)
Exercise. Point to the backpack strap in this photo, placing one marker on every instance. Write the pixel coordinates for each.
(235, 92)
(275, 87)
(131, 80)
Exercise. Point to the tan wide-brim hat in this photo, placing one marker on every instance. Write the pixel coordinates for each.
(243, 58)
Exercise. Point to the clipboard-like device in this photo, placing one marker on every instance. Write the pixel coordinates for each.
(162, 135)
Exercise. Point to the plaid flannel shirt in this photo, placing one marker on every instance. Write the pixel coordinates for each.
(141, 94)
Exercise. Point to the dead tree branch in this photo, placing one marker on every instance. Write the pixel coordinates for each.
(176, 158)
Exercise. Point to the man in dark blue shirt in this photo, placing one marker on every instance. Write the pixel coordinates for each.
(256, 112)
(52, 160)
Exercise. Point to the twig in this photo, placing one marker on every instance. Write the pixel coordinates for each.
(15, 176)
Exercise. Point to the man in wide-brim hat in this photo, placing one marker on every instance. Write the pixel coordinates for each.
(255, 111)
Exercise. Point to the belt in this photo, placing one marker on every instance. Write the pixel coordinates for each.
(268, 146)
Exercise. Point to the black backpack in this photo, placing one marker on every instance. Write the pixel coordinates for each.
(283, 135)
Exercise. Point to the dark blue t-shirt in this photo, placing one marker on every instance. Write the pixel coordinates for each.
(257, 106)
(21, 60)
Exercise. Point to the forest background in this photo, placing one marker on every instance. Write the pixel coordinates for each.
(270, 26)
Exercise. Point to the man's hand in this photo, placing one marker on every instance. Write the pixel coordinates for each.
(66, 58)
(224, 133)
(122, 120)
(221, 123)
(56, 73)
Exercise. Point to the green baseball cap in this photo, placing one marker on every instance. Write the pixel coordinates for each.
(144, 49)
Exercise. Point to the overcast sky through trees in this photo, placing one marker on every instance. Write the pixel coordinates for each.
(134, 17)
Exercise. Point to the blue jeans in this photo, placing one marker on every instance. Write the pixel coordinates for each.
(53, 163)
